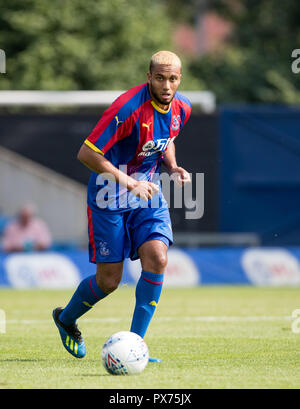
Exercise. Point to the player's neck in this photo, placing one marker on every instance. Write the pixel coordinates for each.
(159, 104)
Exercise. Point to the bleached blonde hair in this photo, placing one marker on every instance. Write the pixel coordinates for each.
(164, 58)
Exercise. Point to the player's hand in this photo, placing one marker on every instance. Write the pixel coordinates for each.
(144, 189)
(180, 176)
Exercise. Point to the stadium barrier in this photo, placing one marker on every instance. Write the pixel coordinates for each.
(259, 172)
(187, 267)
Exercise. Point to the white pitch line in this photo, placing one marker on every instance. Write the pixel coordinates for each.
(238, 318)
(196, 318)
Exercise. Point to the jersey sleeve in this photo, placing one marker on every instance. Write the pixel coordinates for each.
(186, 111)
(112, 127)
(116, 122)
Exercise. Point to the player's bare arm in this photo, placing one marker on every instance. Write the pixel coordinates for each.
(99, 164)
(180, 175)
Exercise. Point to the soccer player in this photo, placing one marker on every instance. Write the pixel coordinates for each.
(124, 153)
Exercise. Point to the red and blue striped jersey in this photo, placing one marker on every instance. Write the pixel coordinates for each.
(133, 134)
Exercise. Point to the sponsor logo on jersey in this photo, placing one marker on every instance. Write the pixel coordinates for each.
(151, 147)
(148, 146)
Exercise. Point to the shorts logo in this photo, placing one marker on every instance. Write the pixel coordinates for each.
(176, 122)
(103, 249)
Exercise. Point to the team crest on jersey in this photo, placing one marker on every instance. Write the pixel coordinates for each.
(176, 122)
(103, 249)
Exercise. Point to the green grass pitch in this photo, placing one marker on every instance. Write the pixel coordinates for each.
(207, 337)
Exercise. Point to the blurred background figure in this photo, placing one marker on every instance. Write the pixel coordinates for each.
(27, 232)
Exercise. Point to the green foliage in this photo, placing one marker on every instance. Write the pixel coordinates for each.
(255, 64)
(80, 44)
(187, 11)
(106, 44)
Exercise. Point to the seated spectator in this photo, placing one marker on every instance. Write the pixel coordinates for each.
(26, 233)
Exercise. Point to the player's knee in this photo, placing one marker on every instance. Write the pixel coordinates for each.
(108, 285)
(161, 262)
(156, 262)
(108, 280)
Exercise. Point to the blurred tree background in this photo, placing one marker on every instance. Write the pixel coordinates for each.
(80, 44)
(106, 44)
(255, 62)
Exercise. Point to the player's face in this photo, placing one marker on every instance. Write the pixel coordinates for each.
(163, 82)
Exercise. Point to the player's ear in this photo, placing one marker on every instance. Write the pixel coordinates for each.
(148, 77)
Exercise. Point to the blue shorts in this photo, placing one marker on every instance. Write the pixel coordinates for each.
(114, 236)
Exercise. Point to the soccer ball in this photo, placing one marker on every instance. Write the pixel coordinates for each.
(125, 353)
